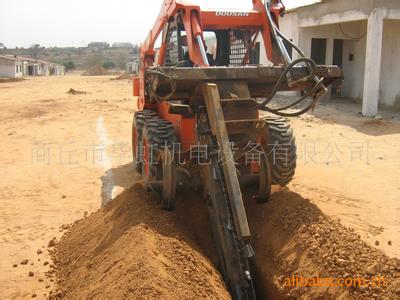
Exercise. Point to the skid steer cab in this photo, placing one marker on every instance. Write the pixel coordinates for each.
(208, 116)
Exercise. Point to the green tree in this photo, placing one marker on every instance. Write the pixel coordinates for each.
(69, 66)
(34, 50)
(108, 64)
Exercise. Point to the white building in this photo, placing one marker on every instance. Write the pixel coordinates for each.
(26, 66)
(133, 67)
(31, 67)
(122, 45)
(362, 37)
(56, 69)
(10, 67)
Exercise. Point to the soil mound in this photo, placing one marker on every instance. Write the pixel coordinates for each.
(72, 91)
(294, 239)
(96, 71)
(123, 76)
(129, 249)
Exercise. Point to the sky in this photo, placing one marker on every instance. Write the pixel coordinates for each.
(75, 23)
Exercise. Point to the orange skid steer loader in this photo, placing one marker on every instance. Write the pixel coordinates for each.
(199, 121)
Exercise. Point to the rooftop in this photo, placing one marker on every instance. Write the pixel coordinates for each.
(22, 58)
(8, 57)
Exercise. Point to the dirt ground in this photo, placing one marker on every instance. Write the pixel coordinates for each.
(63, 155)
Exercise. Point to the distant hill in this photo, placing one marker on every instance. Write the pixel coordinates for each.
(82, 58)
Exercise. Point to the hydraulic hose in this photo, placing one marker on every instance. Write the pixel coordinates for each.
(313, 92)
(290, 42)
(309, 62)
(317, 92)
(300, 112)
(171, 82)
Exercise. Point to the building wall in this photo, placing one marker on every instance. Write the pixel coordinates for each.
(38, 69)
(8, 68)
(59, 70)
(20, 72)
(348, 21)
(333, 11)
(288, 26)
(25, 68)
(353, 83)
(390, 70)
(45, 69)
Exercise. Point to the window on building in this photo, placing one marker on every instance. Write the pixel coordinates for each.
(318, 51)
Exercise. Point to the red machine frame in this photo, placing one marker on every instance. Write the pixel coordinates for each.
(195, 21)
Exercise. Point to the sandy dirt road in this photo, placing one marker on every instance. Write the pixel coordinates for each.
(62, 156)
(349, 167)
(54, 164)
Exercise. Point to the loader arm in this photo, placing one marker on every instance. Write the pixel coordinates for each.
(276, 9)
(191, 16)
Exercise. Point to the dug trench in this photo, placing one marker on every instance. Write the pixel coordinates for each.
(130, 248)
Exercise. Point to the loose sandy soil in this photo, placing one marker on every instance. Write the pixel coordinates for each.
(63, 155)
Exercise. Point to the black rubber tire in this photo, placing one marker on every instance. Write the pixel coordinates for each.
(159, 134)
(139, 120)
(265, 182)
(281, 149)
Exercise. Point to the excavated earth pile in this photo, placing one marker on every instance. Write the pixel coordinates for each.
(131, 248)
(294, 239)
(123, 76)
(96, 71)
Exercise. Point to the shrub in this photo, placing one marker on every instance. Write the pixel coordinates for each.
(69, 65)
(108, 65)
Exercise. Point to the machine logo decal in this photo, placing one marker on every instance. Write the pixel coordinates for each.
(232, 13)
